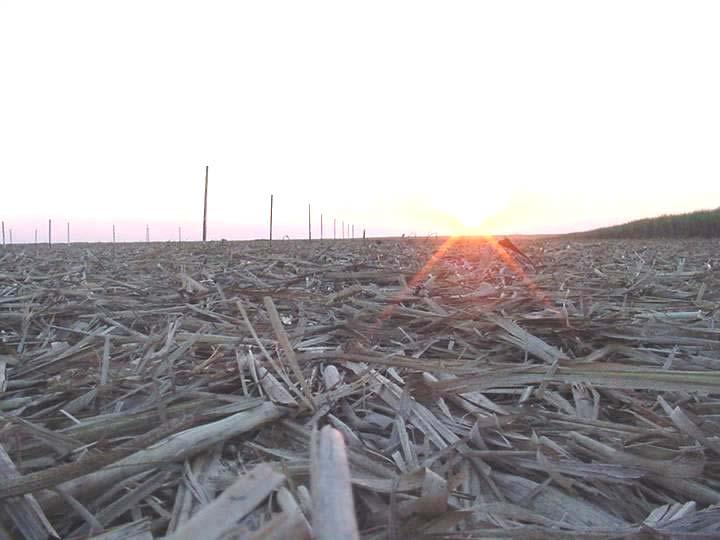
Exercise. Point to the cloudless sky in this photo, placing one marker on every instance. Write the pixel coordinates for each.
(401, 117)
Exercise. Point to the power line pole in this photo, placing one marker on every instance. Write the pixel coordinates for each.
(205, 205)
(147, 233)
(309, 227)
(271, 210)
(3, 233)
(49, 232)
(68, 232)
(343, 230)
(334, 231)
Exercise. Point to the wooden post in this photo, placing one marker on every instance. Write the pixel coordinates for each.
(49, 232)
(334, 231)
(271, 209)
(309, 228)
(205, 205)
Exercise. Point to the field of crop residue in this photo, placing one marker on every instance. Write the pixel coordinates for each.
(400, 388)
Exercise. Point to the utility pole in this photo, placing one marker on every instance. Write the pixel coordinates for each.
(68, 232)
(271, 210)
(353, 232)
(321, 227)
(3, 233)
(309, 227)
(147, 233)
(35, 236)
(343, 229)
(205, 205)
(11, 237)
(179, 234)
(49, 232)
(113, 233)
(334, 232)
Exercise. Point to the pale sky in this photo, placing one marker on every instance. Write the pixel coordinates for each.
(400, 117)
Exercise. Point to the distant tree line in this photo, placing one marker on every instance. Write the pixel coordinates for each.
(700, 224)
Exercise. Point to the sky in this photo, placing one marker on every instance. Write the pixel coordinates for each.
(398, 117)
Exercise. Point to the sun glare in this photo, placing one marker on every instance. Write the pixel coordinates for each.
(471, 211)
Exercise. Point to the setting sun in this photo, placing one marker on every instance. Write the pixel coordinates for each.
(471, 209)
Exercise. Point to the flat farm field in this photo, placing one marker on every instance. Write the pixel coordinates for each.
(377, 389)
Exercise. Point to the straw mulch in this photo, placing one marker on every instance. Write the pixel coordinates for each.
(403, 388)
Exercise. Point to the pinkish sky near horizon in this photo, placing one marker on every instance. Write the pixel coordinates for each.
(397, 117)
